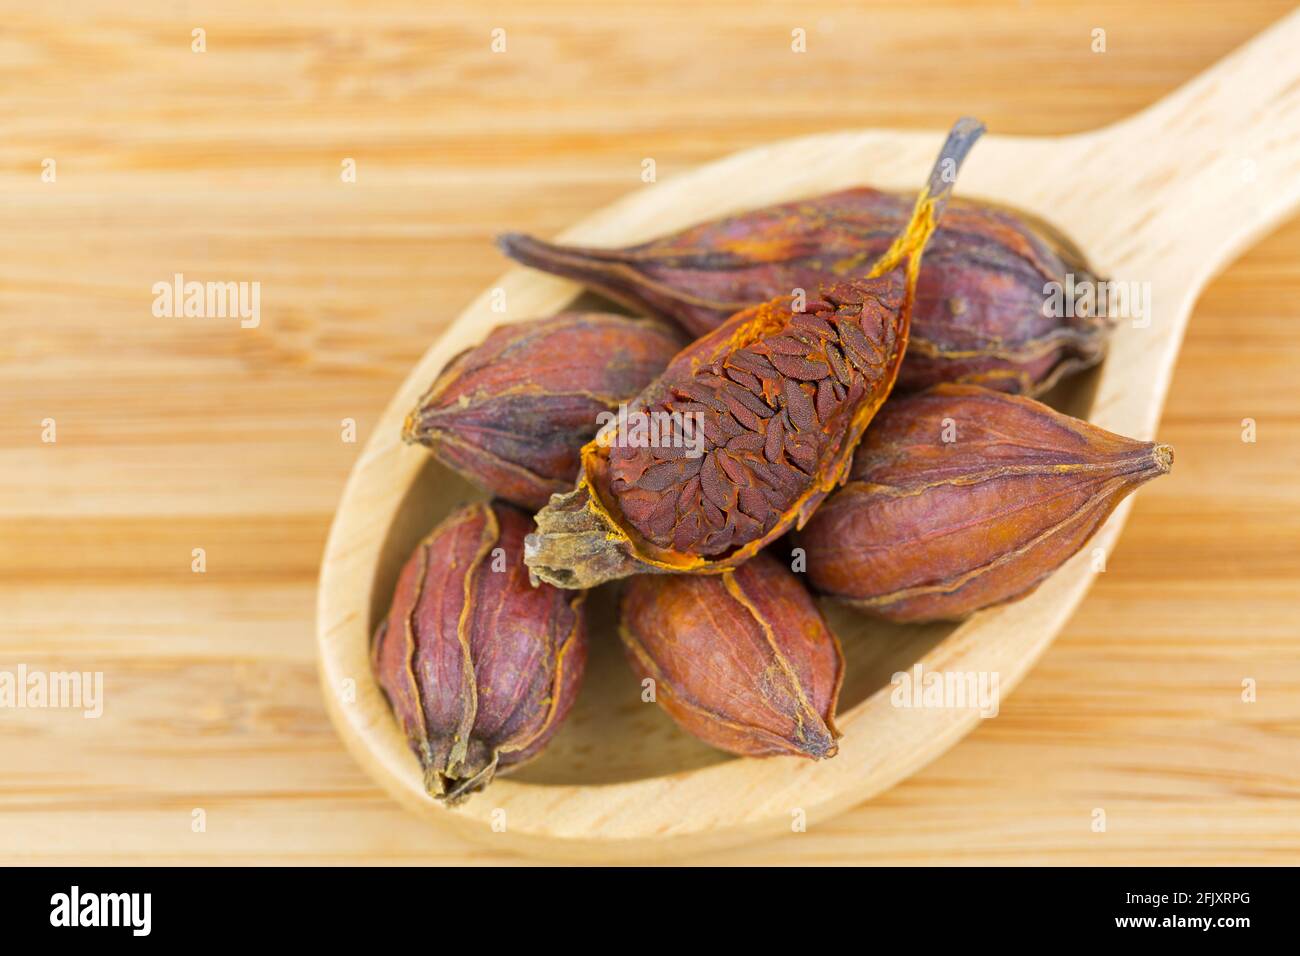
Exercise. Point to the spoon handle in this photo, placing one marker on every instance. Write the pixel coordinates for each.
(1203, 172)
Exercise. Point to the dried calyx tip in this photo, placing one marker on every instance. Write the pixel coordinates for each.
(960, 139)
(524, 248)
(820, 748)
(508, 241)
(930, 202)
(409, 425)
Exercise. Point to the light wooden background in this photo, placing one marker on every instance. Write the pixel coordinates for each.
(179, 434)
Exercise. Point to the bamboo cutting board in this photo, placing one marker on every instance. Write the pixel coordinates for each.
(175, 434)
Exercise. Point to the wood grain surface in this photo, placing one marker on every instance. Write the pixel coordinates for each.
(176, 434)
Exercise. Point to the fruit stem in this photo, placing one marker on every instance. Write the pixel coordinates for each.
(932, 199)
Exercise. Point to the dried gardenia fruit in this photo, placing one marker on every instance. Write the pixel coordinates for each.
(780, 398)
(512, 413)
(982, 314)
(479, 667)
(742, 660)
(961, 498)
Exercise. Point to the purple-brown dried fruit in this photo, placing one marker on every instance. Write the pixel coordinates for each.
(512, 413)
(743, 660)
(961, 498)
(983, 312)
(479, 667)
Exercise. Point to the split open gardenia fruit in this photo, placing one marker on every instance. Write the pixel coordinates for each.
(761, 417)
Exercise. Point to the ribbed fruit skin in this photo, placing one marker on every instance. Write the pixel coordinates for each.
(960, 498)
(983, 313)
(479, 666)
(743, 660)
(512, 413)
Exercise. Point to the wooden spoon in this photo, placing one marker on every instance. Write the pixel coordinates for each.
(1164, 198)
